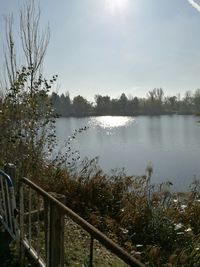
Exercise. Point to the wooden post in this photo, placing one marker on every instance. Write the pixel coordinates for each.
(56, 233)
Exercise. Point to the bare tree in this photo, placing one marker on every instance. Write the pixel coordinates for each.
(10, 54)
(34, 43)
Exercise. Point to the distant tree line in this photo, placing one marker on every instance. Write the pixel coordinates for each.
(155, 103)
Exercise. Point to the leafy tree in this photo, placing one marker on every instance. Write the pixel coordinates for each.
(65, 105)
(81, 107)
(103, 105)
(187, 103)
(154, 101)
(27, 116)
(133, 106)
(55, 100)
(196, 100)
(114, 105)
(171, 104)
(123, 104)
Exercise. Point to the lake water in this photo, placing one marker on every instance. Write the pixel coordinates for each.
(170, 143)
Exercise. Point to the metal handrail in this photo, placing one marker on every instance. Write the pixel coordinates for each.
(8, 205)
(7, 177)
(95, 233)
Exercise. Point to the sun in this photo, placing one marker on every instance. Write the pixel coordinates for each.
(114, 6)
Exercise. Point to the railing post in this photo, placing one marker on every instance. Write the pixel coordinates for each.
(10, 169)
(21, 224)
(55, 223)
(91, 251)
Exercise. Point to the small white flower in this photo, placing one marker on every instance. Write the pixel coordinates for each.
(183, 206)
(188, 230)
(125, 231)
(178, 226)
(139, 245)
(137, 253)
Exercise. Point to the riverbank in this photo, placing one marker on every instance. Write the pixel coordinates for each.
(153, 224)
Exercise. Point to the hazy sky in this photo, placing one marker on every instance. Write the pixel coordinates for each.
(115, 46)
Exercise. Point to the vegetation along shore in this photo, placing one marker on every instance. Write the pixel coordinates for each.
(156, 226)
(155, 103)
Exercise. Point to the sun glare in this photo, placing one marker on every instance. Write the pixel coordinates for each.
(112, 121)
(114, 6)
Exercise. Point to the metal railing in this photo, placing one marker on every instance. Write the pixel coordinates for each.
(46, 225)
(8, 209)
(52, 233)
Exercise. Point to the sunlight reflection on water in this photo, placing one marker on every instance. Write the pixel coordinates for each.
(170, 143)
(112, 121)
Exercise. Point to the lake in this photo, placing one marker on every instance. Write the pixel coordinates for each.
(170, 143)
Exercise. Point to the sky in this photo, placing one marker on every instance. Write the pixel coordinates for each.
(110, 47)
